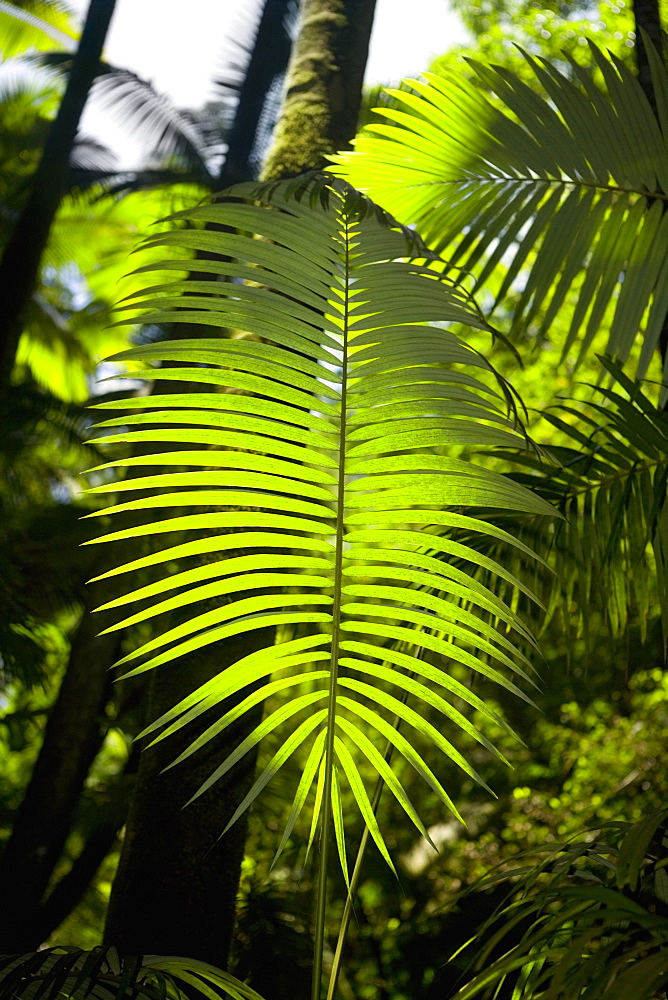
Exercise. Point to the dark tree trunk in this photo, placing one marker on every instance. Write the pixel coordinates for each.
(324, 86)
(21, 259)
(648, 19)
(69, 890)
(72, 738)
(268, 62)
(175, 890)
(101, 839)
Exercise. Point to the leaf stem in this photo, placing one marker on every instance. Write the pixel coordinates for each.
(357, 870)
(326, 820)
(354, 881)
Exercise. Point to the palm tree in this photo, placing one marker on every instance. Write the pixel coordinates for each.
(396, 157)
(324, 461)
(294, 564)
(23, 252)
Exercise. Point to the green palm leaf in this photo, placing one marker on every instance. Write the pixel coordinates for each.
(609, 479)
(333, 480)
(577, 178)
(567, 932)
(36, 26)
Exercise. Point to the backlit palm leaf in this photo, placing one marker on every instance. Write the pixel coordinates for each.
(38, 24)
(579, 179)
(319, 471)
(608, 476)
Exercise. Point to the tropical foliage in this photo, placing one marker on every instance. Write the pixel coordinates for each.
(609, 479)
(105, 975)
(577, 177)
(340, 455)
(585, 913)
(336, 461)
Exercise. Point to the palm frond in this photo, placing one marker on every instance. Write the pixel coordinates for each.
(36, 24)
(312, 452)
(166, 131)
(89, 154)
(576, 182)
(102, 184)
(572, 929)
(101, 974)
(608, 476)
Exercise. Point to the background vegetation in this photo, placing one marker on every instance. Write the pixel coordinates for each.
(594, 749)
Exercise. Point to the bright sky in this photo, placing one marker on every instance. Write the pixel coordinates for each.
(179, 53)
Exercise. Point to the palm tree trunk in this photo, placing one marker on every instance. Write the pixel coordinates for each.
(73, 736)
(268, 62)
(21, 259)
(647, 18)
(324, 87)
(67, 893)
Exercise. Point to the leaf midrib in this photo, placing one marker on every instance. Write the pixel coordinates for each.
(336, 629)
(548, 181)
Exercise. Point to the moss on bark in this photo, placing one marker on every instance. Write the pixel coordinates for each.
(324, 86)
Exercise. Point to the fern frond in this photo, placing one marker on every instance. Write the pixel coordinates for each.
(317, 467)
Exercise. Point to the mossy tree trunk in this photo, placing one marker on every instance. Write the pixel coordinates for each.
(324, 86)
